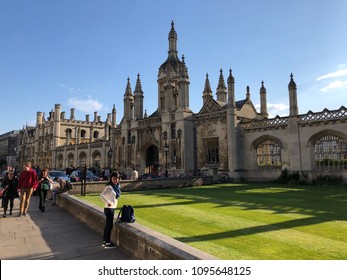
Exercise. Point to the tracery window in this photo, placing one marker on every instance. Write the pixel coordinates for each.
(212, 151)
(330, 153)
(269, 154)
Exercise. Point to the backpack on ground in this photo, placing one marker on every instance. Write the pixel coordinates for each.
(126, 214)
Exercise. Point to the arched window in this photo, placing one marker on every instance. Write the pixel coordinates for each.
(330, 152)
(96, 134)
(269, 154)
(83, 133)
(69, 133)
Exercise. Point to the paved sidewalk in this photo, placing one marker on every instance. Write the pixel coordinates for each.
(53, 235)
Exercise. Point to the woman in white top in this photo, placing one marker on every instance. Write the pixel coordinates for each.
(110, 196)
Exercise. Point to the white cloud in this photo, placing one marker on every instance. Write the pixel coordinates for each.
(275, 109)
(336, 85)
(338, 73)
(85, 105)
(71, 90)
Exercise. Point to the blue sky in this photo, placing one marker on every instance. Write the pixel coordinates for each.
(79, 53)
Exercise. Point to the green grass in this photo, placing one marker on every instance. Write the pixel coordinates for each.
(248, 221)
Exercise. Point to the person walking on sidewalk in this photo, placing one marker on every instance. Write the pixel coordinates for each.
(27, 184)
(110, 197)
(10, 184)
(44, 186)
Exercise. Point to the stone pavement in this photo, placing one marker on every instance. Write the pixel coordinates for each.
(53, 235)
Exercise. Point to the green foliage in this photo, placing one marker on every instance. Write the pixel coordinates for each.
(289, 177)
(328, 180)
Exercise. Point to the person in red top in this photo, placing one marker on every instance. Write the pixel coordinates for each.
(27, 183)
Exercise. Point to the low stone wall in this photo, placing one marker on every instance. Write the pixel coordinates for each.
(137, 185)
(136, 239)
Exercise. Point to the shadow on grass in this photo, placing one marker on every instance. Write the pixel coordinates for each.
(252, 230)
(320, 203)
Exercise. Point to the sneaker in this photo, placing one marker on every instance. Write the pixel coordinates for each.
(103, 243)
(4, 215)
(110, 246)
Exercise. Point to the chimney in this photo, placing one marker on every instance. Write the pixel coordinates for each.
(72, 114)
(87, 118)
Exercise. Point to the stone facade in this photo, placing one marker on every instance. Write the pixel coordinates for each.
(227, 137)
(8, 149)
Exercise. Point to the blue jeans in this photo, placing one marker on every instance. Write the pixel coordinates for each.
(109, 213)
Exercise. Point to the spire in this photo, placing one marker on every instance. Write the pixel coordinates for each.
(231, 89)
(114, 116)
(263, 105)
(293, 100)
(173, 40)
(221, 89)
(128, 102)
(138, 87)
(207, 89)
(231, 78)
(292, 84)
(128, 91)
(184, 69)
(138, 99)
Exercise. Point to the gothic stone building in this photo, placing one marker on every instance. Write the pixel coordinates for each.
(226, 137)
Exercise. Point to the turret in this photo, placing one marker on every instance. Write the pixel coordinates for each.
(72, 114)
(56, 125)
(39, 118)
(231, 124)
(293, 100)
(263, 104)
(183, 95)
(128, 102)
(138, 99)
(231, 90)
(248, 94)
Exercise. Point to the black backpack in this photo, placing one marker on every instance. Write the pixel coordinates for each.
(68, 185)
(126, 214)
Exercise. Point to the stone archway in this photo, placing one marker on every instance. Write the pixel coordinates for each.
(82, 159)
(152, 160)
(96, 159)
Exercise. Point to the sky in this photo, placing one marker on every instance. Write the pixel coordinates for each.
(80, 53)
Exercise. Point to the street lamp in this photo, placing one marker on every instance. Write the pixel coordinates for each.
(109, 153)
(166, 151)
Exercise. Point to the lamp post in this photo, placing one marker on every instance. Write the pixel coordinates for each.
(166, 151)
(109, 153)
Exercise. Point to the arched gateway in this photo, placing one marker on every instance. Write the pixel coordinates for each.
(152, 160)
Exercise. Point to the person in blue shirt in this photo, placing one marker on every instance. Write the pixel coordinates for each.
(110, 197)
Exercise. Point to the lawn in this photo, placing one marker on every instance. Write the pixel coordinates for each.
(248, 221)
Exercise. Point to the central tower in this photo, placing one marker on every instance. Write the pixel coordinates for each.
(173, 80)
